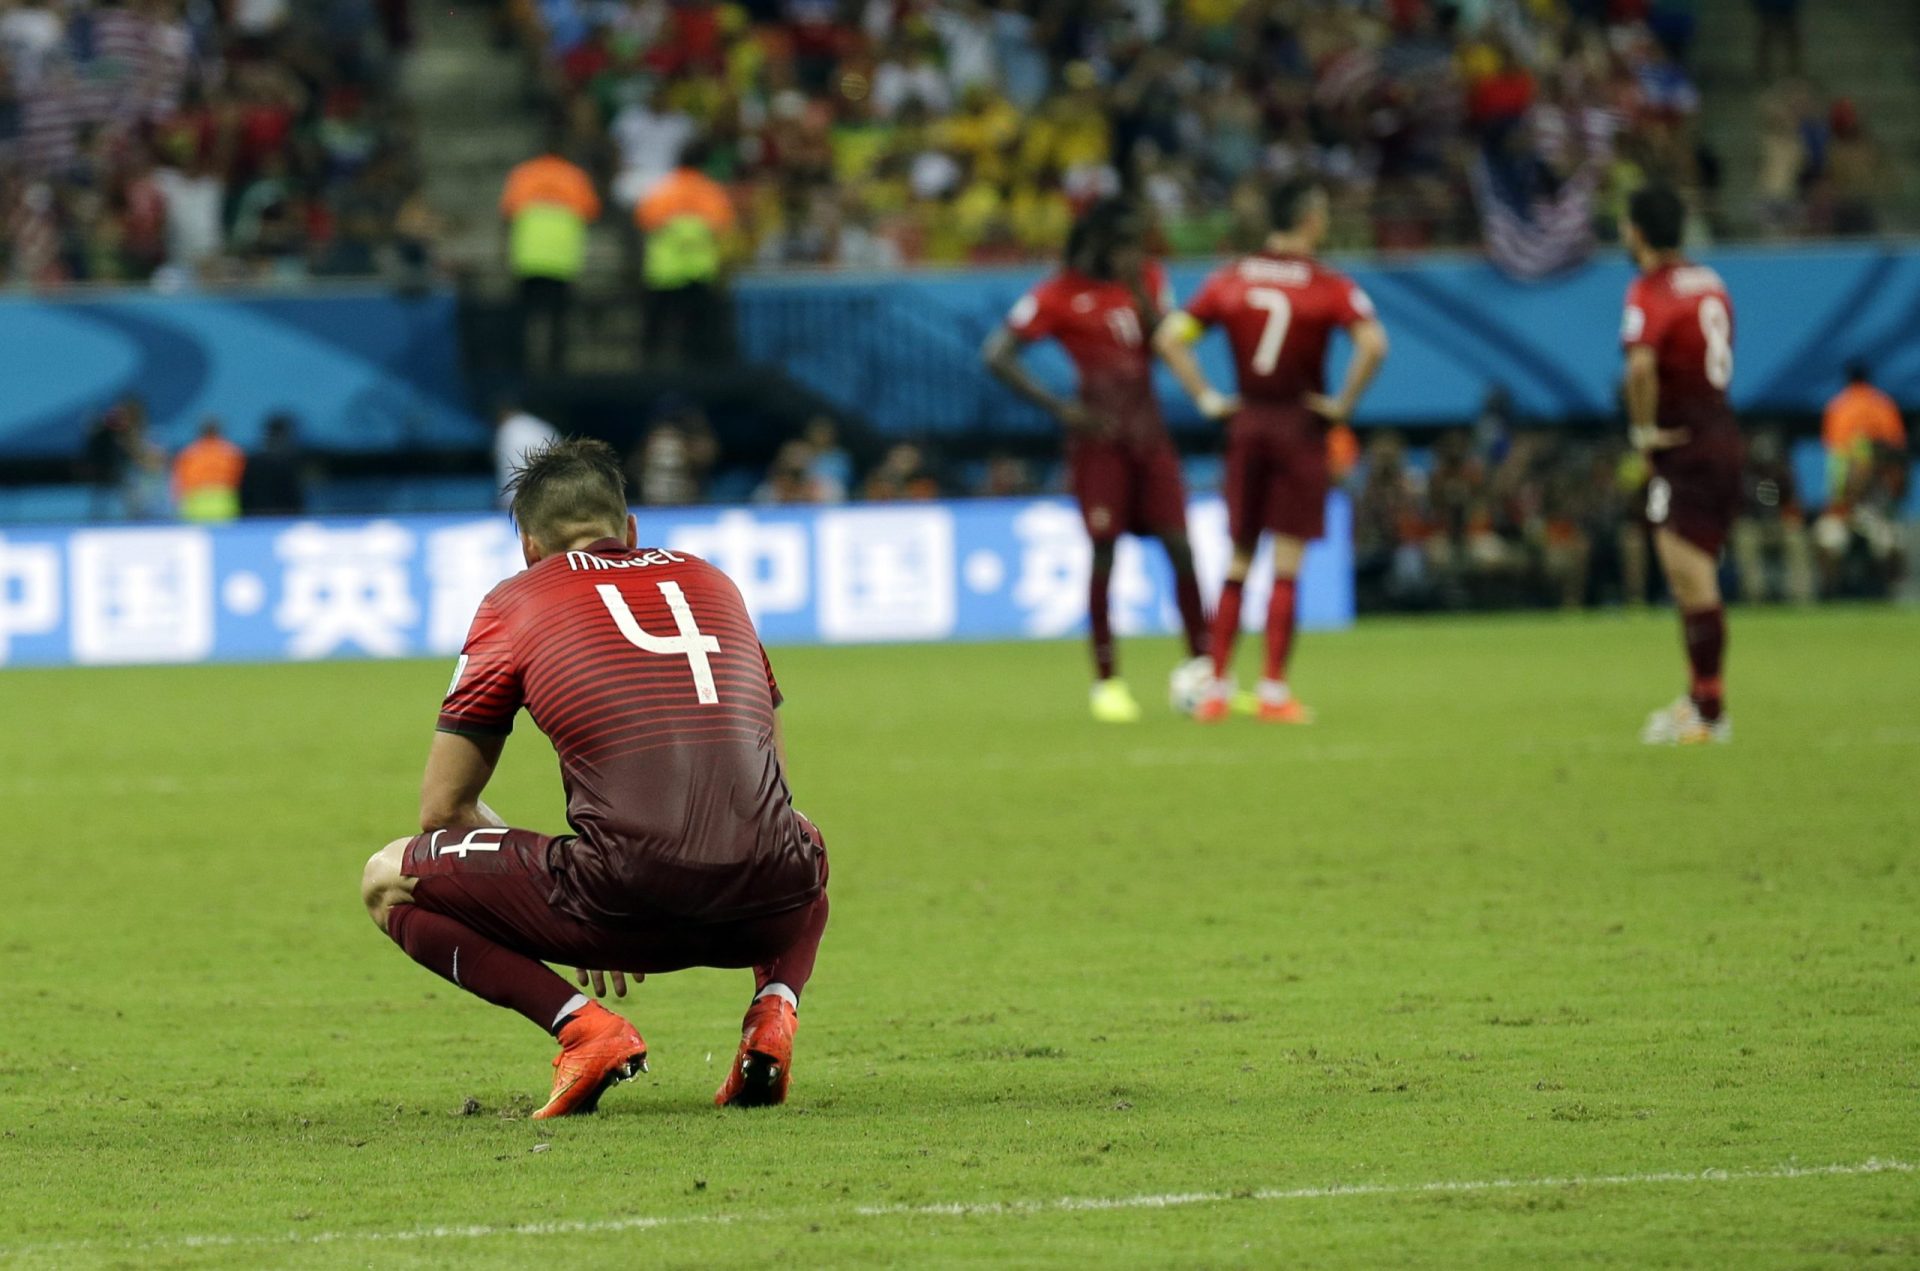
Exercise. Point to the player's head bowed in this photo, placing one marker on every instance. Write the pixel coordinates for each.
(567, 494)
(1103, 233)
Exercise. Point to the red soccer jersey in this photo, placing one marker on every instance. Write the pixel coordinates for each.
(1682, 312)
(644, 670)
(1280, 312)
(1098, 323)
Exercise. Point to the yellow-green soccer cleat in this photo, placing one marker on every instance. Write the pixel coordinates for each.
(1113, 703)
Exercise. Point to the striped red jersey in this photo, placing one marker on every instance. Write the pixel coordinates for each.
(1280, 311)
(644, 670)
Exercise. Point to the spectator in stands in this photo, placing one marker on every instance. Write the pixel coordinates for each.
(828, 461)
(1779, 33)
(1859, 420)
(791, 479)
(206, 477)
(1391, 564)
(517, 433)
(1771, 553)
(1856, 173)
(662, 468)
(901, 474)
(688, 222)
(105, 461)
(195, 195)
(275, 480)
(1006, 477)
(547, 205)
(1857, 537)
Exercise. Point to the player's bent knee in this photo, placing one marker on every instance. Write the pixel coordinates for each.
(382, 884)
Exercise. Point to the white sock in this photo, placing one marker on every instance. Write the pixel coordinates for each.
(1275, 692)
(777, 989)
(574, 1003)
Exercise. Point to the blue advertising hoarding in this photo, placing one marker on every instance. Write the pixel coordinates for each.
(903, 351)
(359, 369)
(408, 586)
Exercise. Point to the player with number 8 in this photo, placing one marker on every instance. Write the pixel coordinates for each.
(644, 670)
(1678, 334)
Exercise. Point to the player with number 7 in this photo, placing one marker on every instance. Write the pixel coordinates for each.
(644, 670)
(1280, 308)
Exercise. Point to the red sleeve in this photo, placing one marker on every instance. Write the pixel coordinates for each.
(1032, 316)
(1645, 320)
(1351, 304)
(773, 685)
(1208, 305)
(486, 692)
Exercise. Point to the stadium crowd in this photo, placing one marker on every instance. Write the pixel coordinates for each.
(865, 134)
(174, 140)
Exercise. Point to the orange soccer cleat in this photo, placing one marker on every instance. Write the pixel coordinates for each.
(764, 1063)
(1287, 712)
(597, 1050)
(1212, 709)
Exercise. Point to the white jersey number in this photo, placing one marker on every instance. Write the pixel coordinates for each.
(1659, 500)
(1279, 310)
(1716, 324)
(1125, 325)
(689, 643)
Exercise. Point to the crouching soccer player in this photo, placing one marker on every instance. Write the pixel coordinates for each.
(644, 670)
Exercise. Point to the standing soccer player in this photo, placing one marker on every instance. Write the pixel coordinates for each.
(1126, 473)
(1280, 308)
(1678, 333)
(644, 670)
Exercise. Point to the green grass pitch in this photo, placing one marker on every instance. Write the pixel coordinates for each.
(1133, 996)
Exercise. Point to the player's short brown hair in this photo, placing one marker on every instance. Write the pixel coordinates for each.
(1287, 202)
(568, 490)
(1660, 215)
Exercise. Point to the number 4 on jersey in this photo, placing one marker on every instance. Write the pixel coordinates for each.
(690, 643)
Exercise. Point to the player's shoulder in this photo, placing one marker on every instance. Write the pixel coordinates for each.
(1689, 279)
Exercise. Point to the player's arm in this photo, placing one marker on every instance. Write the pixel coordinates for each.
(1001, 353)
(459, 765)
(1173, 340)
(1369, 338)
(1643, 402)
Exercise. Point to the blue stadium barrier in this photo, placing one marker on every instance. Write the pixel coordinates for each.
(368, 371)
(903, 351)
(408, 586)
(361, 370)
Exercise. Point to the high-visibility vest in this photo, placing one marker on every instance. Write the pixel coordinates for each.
(548, 203)
(206, 480)
(686, 217)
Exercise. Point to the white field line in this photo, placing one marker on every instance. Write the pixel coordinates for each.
(963, 1209)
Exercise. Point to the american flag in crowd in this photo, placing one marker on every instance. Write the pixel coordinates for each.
(1534, 225)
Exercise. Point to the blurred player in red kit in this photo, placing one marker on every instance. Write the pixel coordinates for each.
(644, 670)
(1280, 308)
(1678, 333)
(1126, 474)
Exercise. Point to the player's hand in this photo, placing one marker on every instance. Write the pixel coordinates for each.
(1216, 405)
(597, 980)
(1076, 418)
(1648, 438)
(1329, 408)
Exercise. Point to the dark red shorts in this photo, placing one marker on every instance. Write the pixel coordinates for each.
(1277, 478)
(1696, 492)
(503, 884)
(1126, 490)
